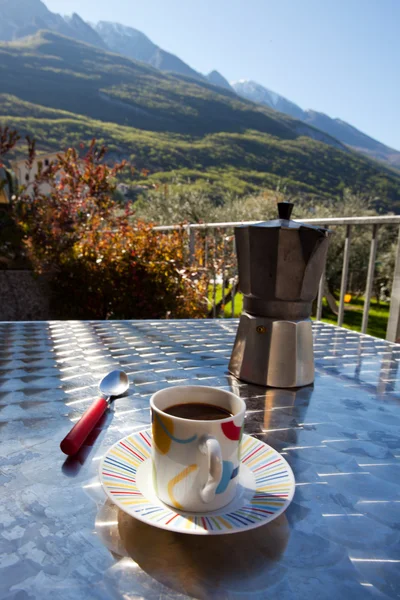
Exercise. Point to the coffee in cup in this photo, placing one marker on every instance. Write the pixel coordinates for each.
(198, 411)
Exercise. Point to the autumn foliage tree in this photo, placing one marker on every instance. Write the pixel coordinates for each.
(102, 263)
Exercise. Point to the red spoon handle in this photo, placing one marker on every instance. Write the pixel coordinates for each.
(78, 434)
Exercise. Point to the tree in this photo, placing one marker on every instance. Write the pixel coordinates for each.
(354, 205)
(174, 203)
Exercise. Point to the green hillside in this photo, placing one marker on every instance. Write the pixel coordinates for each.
(62, 91)
(54, 71)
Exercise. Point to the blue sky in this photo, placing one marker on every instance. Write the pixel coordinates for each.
(341, 57)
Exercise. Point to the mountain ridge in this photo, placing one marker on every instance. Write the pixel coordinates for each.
(131, 42)
(341, 130)
(217, 79)
(21, 18)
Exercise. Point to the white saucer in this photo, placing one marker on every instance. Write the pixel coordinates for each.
(265, 488)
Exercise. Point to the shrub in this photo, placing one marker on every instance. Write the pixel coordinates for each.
(102, 265)
(129, 273)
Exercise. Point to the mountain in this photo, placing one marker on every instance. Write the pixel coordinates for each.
(83, 31)
(217, 79)
(134, 44)
(257, 93)
(62, 91)
(55, 71)
(353, 137)
(337, 128)
(20, 18)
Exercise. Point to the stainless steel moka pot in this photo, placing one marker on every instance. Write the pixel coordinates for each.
(280, 266)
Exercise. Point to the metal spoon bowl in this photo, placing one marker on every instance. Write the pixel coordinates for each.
(114, 383)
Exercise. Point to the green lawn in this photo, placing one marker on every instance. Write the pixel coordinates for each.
(378, 314)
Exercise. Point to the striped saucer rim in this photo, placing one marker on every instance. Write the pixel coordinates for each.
(273, 489)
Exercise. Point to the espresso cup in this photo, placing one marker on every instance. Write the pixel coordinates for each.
(196, 462)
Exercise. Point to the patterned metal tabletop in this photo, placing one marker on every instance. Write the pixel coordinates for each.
(61, 539)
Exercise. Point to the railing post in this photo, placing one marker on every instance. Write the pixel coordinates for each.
(206, 249)
(321, 287)
(191, 245)
(234, 275)
(370, 278)
(393, 327)
(223, 271)
(345, 273)
(214, 308)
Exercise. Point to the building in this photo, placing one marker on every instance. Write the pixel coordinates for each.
(123, 188)
(26, 177)
(7, 187)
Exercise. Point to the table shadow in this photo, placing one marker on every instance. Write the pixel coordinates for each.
(215, 566)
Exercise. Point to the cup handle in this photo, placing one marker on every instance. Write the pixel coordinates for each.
(210, 446)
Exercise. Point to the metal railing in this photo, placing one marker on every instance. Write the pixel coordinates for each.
(227, 229)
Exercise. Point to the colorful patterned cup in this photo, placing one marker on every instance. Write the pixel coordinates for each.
(196, 463)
